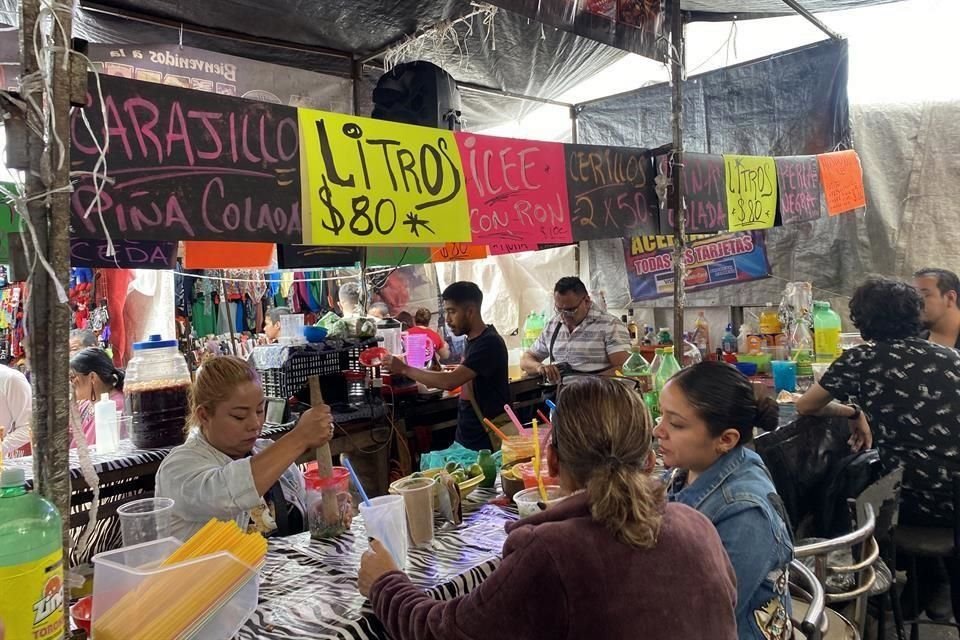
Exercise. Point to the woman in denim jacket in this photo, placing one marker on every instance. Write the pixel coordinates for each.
(709, 413)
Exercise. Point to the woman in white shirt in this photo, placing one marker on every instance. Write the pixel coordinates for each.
(16, 409)
(224, 470)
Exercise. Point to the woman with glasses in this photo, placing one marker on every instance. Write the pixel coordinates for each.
(612, 559)
(579, 339)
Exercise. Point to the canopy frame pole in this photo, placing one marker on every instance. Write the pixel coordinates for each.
(812, 19)
(677, 55)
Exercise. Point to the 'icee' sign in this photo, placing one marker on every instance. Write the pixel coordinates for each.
(186, 165)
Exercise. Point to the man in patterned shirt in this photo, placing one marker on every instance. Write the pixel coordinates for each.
(909, 389)
(580, 336)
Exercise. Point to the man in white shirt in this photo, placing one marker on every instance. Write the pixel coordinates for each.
(15, 410)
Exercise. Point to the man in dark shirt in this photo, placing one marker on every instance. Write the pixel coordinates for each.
(941, 315)
(483, 372)
(909, 389)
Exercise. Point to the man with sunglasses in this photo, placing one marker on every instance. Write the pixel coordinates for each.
(580, 339)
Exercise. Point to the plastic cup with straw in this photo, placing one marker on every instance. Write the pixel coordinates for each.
(384, 518)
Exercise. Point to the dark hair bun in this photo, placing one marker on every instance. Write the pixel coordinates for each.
(768, 414)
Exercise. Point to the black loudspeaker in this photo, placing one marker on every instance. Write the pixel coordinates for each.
(420, 93)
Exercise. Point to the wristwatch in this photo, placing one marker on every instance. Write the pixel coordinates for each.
(857, 412)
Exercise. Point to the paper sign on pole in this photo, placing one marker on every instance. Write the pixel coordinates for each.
(457, 251)
(751, 192)
(842, 179)
(372, 182)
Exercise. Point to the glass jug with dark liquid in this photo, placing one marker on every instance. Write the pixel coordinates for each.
(156, 394)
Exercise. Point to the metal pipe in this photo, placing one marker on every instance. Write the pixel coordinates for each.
(479, 88)
(676, 54)
(843, 542)
(574, 124)
(814, 20)
(134, 16)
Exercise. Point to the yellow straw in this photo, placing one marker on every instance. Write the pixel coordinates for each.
(536, 463)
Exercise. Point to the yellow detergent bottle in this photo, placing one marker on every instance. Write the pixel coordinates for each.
(31, 562)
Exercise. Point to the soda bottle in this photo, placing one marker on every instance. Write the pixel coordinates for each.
(636, 367)
(31, 561)
(701, 335)
(729, 341)
(532, 328)
(826, 333)
(633, 329)
(668, 367)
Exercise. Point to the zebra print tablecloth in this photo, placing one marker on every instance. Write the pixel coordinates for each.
(308, 588)
(127, 456)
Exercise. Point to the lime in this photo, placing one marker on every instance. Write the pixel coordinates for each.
(451, 466)
(475, 470)
(459, 476)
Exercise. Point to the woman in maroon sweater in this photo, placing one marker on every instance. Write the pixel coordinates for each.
(613, 560)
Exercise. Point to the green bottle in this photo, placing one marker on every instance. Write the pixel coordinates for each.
(31, 561)
(668, 367)
(826, 333)
(489, 466)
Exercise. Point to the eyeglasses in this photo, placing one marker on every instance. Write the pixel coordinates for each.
(571, 311)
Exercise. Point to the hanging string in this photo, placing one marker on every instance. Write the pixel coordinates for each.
(329, 279)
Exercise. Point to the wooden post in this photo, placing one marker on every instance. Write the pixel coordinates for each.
(331, 512)
(48, 319)
(676, 191)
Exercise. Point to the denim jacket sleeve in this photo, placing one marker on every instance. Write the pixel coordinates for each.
(749, 552)
(756, 552)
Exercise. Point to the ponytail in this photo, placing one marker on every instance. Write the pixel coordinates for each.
(628, 503)
(603, 440)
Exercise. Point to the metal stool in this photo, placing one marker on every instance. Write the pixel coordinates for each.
(929, 542)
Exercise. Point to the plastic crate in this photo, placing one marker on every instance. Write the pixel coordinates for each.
(303, 362)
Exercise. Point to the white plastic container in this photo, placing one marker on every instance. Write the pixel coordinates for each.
(528, 499)
(121, 572)
(106, 425)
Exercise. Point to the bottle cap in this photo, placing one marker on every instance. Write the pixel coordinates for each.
(12, 477)
(104, 397)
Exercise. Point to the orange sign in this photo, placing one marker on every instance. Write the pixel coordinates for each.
(227, 255)
(842, 178)
(453, 251)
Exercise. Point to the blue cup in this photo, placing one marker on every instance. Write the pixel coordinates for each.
(784, 375)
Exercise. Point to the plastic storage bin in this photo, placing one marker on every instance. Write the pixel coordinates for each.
(134, 575)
